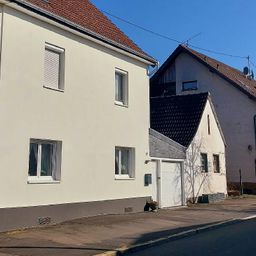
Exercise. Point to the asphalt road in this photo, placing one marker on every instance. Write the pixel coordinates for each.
(236, 240)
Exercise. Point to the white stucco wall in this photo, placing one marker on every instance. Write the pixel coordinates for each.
(1, 17)
(205, 183)
(84, 117)
(235, 112)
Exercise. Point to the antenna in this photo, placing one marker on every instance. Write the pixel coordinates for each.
(248, 59)
(186, 42)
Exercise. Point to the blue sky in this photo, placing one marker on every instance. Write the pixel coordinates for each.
(225, 25)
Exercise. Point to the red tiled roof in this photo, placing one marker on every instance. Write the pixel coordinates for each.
(86, 15)
(228, 72)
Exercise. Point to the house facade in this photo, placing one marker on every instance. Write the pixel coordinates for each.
(233, 95)
(191, 121)
(74, 112)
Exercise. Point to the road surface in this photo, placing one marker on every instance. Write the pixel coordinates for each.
(235, 240)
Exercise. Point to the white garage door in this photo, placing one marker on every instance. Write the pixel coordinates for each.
(171, 186)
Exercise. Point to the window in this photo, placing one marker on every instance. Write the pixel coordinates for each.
(124, 162)
(44, 160)
(208, 124)
(216, 163)
(54, 67)
(204, 162)
(190, 85)
(121, 87)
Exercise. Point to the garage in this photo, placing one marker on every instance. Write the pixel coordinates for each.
(171, 184)
(167, 182)
(166, 169)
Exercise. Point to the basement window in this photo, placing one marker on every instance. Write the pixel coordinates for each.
(44, 160)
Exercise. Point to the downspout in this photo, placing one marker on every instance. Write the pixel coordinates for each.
(158, 182)
(152, 72)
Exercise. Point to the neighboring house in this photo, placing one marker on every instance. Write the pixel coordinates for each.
(233, 94)
(190, 121)
(74, 111)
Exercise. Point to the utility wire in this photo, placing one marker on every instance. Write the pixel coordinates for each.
(219, 53)
(142, 28)
(173, 39)
(253, 63)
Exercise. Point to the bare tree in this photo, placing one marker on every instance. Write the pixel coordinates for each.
(194, 177)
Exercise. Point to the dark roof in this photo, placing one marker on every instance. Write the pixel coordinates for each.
(230, 74)
(178, 117)
(84, 14)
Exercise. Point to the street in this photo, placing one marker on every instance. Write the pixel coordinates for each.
(238, 239)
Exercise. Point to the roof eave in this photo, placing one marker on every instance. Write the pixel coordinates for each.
(213, 69)
(181, 49)
(72, 25)
(168, 61)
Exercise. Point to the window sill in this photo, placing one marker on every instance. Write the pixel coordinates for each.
(187, 90)
(53, 89)
(43, 182)
(121, 104)
(123, 178)
(219, 173)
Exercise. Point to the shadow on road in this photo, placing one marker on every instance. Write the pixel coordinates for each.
(51, 250)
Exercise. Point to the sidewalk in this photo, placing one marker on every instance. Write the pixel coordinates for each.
(94, 235)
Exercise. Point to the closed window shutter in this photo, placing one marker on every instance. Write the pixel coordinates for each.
(52, 69)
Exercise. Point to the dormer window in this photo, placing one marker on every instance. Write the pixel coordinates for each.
(189, 86)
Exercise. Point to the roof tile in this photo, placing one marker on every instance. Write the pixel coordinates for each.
(230, 73)
(178, 117)
(86, 15)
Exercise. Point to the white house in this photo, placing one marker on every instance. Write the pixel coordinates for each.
(191, 122)
(233, 94)
(74, 113)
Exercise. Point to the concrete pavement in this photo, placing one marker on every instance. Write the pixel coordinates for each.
(94, 235)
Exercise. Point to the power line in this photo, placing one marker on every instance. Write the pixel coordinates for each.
(173, 39)
(219, 53)
(142, 28)
(253, 63)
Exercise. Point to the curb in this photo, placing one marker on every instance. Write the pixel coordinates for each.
(159, 241)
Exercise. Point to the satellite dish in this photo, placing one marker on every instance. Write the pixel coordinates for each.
(246, 71)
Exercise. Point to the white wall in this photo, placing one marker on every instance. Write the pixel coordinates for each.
(235, 112)
(84, 117)
(205, 183)
(1, 18)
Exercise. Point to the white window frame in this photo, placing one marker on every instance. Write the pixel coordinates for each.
(124, 74)
(131, 163)
(218, 163)
(61, 52)
(55, 177)
(190, 82)
(207, 163)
